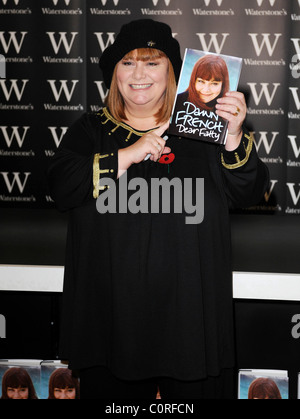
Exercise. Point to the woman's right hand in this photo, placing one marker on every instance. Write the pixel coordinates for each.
(149, 144)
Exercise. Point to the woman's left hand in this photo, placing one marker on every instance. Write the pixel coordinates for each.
(233, 108)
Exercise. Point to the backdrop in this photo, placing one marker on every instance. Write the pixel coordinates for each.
(49, 53)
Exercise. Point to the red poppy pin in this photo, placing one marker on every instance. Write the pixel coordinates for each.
(167, 158)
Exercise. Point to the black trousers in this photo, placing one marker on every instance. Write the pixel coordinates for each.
(100, 383)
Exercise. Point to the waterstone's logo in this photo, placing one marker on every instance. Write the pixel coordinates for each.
(294, 190)
(294, 161)
(16, 183)
(11, 43)
(163, 12)
(296, 97)
(264, 142)
(62, 40)
(265, 94)
(13, 7)
(265, 42)
(163, 196)
(265, 46)
(12, 38)
(14, 138)
(14, 89)
(63, 90)
(216, 12)
(215, 40)
(267, 8)
(63, 43)
(67, 4)
(110, 7)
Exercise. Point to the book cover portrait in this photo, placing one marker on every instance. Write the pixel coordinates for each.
(204, 78)
(263, 384)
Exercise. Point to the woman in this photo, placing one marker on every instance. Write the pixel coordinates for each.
(17, 385)
(264, 389)
(209, 81)
(148, 298)
(62, 385)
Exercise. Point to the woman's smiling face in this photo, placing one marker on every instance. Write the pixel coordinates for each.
(142, 82)
(208, 90)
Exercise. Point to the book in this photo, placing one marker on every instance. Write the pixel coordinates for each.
(20, 379)
(58, 381)
(204, 78)
(263, 384)
(37, 379)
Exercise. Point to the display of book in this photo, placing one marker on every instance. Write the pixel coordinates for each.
(205, 77)
(37, 379)
(52, 379)
(263, 384)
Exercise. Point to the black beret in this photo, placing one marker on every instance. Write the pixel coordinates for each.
(144, 33)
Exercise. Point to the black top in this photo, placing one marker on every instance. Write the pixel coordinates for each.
(147, 294)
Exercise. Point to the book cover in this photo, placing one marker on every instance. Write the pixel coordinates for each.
(58, 381)
(263, 384)
(204, 78)
(20, 379)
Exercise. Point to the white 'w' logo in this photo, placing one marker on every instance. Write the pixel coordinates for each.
(5, 1)
(116, 2)
(67, 2)
(207, 2)
(167, 2)
(260, 2)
